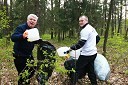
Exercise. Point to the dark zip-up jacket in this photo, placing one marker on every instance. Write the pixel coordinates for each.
(21, 46)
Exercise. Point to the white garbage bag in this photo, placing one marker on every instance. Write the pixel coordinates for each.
(61, 51)
(102, 68)
(33, 34)
(75, 53)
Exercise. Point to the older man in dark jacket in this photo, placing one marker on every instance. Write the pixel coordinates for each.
(23, 49)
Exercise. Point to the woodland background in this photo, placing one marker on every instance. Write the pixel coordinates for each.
(58, 23)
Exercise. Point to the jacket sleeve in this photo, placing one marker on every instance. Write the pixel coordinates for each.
(78, 45)
(97, 39)
(17, 35)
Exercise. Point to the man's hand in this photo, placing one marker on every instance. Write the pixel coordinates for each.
(66, 52)
(25, 34)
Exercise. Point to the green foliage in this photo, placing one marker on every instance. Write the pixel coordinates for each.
(118, 43)
(24, 76)
(126, 72)
(60, 18)
(5, 50)
(117, 53)
(66, 42)
(45, 64)
(4, 20)
(59, 65)
(46, 37)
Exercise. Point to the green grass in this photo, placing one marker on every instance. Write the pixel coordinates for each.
(117, 50)
(117, 53)
(46, 37)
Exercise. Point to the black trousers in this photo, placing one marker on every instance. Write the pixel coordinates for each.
(24, 72)
(85, 64)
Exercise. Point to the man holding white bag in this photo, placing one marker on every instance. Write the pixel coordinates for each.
(23, 49)
(85, 63)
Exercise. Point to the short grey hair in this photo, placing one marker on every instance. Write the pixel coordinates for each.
(32, 15)
(85, 17)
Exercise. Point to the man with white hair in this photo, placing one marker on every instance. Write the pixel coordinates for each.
(85, 63)
(23, 49)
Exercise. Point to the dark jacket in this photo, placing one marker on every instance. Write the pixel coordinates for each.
(21, 46)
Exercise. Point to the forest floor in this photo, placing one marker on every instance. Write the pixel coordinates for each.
(9, 77)
(8, 73)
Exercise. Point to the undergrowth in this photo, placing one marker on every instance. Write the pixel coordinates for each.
(117, 53)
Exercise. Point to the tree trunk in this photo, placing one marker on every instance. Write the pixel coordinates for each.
(36, 2)
(125, 25)
(58, 33)
(105, 16)
(51, 33)
(1, 4)
(115, 19)
(112, 24)
(11, 16)
(120, 20)
(52, 20)
(107, 29)
(6, 5)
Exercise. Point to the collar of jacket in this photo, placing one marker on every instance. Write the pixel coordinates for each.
(28, 26)
(84, 26)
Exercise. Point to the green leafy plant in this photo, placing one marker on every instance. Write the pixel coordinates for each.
(126, 72)
(4, 19)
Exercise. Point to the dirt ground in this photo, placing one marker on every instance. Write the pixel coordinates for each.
(8, 76)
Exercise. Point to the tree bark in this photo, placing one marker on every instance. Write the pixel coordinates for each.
(107, 29)
(120, 20)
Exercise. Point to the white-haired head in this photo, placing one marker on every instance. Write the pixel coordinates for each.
(84, 17)
(32, 15)
(32, 20)
(83, 20)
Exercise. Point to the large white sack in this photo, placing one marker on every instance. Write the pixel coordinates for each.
(61, 51)
(102, 68)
